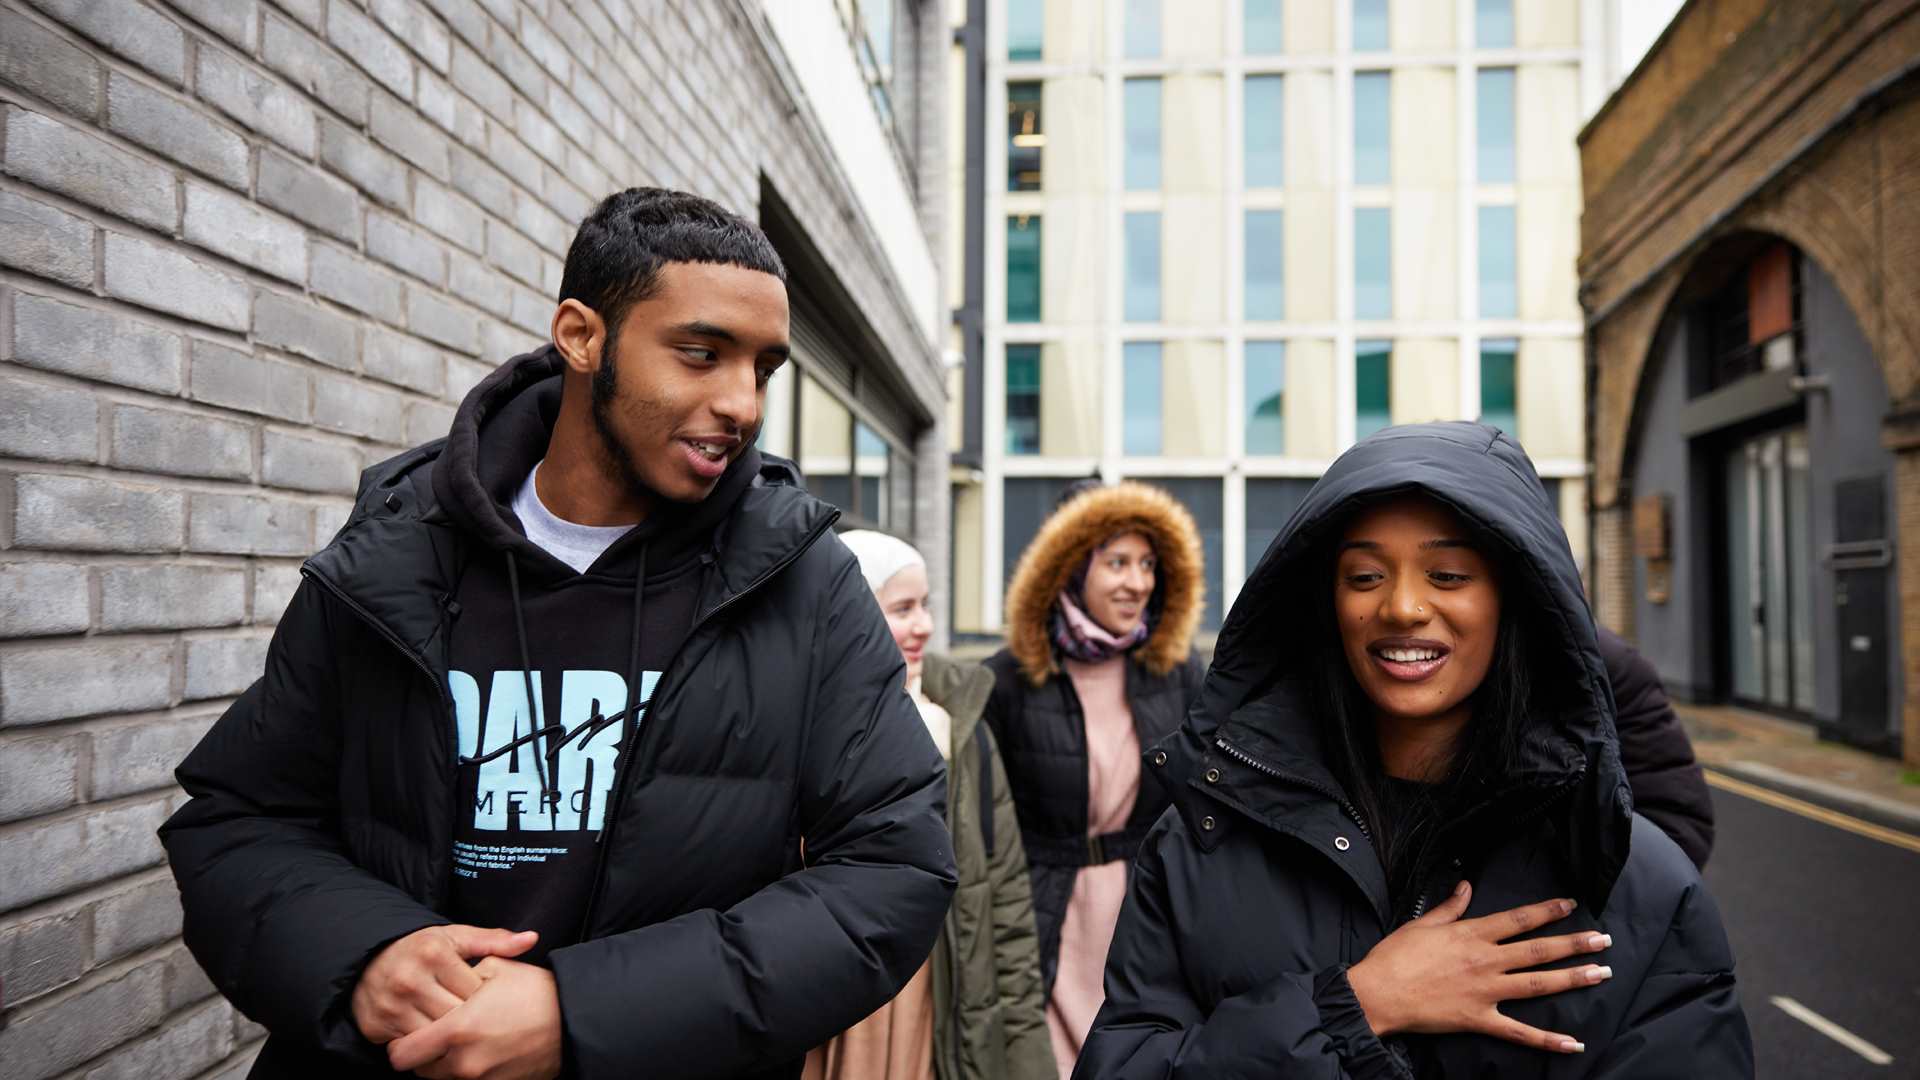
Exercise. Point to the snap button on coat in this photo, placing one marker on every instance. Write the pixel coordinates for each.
(1341, 843)
(1207, 823)
(1213, 776)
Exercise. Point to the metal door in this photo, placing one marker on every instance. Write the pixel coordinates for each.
(1859, 558)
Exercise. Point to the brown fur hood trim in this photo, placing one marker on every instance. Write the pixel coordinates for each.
(1063, 546)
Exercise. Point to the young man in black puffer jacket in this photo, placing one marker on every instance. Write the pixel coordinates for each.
(568, 696)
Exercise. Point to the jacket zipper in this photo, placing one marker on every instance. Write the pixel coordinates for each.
(451, 729)
(1538, 808)
(1248, 760)
(630, 743)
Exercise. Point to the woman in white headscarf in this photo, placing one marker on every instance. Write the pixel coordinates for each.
(977, 1008)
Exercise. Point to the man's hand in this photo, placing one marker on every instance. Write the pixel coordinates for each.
(1440, 973)
(423, 976)
(508, 1030)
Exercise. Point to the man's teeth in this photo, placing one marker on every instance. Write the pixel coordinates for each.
(709, 449)
(1410, 656)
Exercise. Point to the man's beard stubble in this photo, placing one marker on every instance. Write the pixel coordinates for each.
(615, 458)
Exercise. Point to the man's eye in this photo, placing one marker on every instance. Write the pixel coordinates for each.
(694, 352)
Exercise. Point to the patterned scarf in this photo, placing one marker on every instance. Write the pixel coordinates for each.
(1077, 636)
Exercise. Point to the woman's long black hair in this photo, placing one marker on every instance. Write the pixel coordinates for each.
(1409, 830)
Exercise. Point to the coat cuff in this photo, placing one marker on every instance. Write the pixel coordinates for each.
(1362, 1053)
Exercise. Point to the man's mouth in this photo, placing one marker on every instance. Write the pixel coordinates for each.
(709, 456)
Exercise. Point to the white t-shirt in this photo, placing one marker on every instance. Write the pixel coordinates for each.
(576, 545)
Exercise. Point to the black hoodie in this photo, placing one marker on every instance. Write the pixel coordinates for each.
(1261, 885)
(586, 647)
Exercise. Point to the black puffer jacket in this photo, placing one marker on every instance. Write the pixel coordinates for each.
(319, 828)
(1260, 887)
(1035, 714)
(1668, 786)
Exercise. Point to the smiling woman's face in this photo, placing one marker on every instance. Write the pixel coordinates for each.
(1418, 609)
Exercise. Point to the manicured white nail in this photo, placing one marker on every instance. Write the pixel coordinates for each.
(1600, 941)
(1572, 1047)
(1600, 974)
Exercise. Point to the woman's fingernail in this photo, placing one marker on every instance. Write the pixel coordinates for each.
(1572, 1046)
(1600, 941)
(1599, 974)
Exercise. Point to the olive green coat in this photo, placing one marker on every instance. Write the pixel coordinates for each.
(989, 1006)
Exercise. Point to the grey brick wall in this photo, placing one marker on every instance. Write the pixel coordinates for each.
(248, 247)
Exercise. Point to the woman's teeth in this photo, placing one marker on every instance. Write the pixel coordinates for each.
(1410, 656)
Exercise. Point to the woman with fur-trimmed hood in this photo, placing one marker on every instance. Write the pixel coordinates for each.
(1099, 663)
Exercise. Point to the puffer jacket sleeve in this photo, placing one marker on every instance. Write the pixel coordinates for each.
(726, 992)
(1668, 786)
(278, 916)
(1684, 1021)
(1302, 1024)
(1016, 948)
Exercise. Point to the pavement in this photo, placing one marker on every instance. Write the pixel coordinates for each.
(1786, 757)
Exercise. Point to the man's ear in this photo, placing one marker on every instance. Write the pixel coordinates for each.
(579, 333)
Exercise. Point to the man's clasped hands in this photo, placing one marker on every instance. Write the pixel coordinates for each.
(451, 1003)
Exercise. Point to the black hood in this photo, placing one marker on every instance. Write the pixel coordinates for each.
(1256, 688)
(501, 431)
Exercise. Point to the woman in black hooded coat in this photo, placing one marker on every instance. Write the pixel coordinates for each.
(1266, 934)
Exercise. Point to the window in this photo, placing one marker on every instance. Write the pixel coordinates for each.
(1751, 323)
(1493, 103)
(1261, 28)
(1499, 278)
(1372, 127)
(1143, 29)
(1025, 137)
(1493, 24)
(1266, 258)
(1026, 502)
(1143, 134)
(1026, 28)
(1143, 266)
(1373, 263)
(1140, 436)
(826, 439)
(1370, 32)
(1372, 387)
(1023, 399)
(1499, 390)
(1203, 499)
(1269, 504)
(1266, 364)
(776, 414)
(1023, 268)
(872, 466)
(1264, 111)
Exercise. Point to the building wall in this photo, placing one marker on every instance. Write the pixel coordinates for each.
(247, 248)
(1433, 192)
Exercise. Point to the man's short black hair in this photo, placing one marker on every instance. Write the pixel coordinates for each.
(616, 256)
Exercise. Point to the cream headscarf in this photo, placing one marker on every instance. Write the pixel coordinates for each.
(881, 557)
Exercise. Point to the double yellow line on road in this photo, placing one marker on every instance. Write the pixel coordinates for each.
(1818, 813)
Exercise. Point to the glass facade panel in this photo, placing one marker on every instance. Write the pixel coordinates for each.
(1026, 28)
(1493, 24)
(1023, 399)
(1265, 106)
(1143, 134)
(1499, 390)
(776, 414)
(1262, 31)
(1204, 500)
(1499, 274)
(1266, 368)
(1493, 105)
(1023, 268)
(1143, 266)
(1025, 136)
(1370, 25)
(1372, 127)
(1143, 29)
(1269, 504)
(1140, 434)
(826, 443)
(1373, 263)
(1266, 255)
(1372, 387)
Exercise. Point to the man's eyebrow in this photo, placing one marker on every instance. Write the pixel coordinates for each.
(706, 330)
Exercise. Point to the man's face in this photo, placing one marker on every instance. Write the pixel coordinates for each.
(680, 387)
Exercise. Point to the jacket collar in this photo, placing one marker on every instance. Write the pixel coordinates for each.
(961, 689)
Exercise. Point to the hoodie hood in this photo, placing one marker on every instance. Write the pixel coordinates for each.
(501, 431)
(1065, 542)
(1255, 691)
